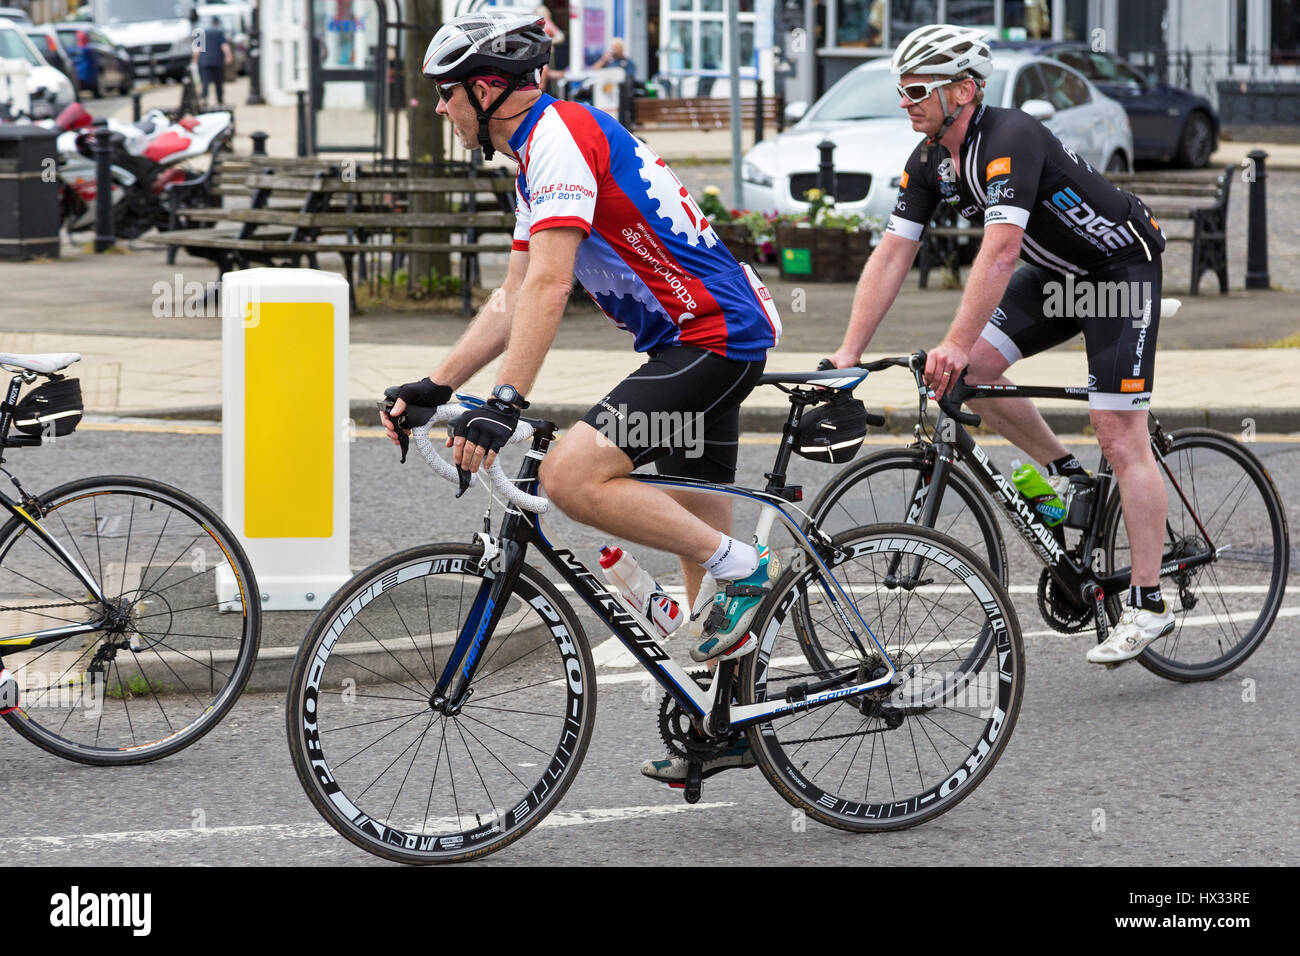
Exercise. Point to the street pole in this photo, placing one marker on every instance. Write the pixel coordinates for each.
(255, 59)
(733, 65)
(103, 150)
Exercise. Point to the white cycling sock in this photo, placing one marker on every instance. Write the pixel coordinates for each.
(733, 560)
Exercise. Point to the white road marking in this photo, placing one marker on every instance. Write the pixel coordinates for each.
(296, 831)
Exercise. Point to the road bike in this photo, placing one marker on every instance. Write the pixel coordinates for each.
(1226, 546)
(129, 614)
(442, 702)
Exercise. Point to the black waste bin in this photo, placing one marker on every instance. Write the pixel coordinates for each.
(29, 193)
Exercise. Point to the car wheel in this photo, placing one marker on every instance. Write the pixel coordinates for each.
(1197, 142)
(1117, 163)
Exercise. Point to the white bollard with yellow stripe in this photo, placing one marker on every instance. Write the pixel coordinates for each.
(286, 430)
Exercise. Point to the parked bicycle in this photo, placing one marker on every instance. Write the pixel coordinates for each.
(129, 615)
(1226, 548)
(442, 702)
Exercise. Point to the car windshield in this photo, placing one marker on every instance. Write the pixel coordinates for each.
(870, 94)
(127, 11)
(13, 46)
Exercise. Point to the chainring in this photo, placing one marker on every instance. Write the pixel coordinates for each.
(675, 723)
(1058, 610)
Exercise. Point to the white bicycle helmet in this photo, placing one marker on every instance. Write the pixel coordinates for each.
(942, 49)
(513, 45)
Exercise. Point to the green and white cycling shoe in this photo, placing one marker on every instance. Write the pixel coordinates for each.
(725, 629)
(672, 770)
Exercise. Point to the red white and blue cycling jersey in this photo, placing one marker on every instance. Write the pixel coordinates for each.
(650, 259)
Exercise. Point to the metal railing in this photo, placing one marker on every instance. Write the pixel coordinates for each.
(1202, 70)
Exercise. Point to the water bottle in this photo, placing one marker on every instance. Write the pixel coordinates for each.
(1080, 495)
(1041, 495)
(640, 590)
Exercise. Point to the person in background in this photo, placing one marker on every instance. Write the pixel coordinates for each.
(616, 55)
(212, 53)
(553, 72)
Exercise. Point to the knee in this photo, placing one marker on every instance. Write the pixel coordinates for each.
(1122, 437)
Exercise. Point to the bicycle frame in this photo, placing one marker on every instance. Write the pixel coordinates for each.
(17, 510)
(1079, 577)
(519, 530)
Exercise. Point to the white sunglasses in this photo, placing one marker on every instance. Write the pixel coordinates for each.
(917, 92)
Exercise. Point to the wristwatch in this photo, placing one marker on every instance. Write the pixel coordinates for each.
(510, 396)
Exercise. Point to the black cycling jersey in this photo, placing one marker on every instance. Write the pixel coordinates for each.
(1011, 169)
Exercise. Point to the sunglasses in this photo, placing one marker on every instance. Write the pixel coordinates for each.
(917, 92)
(447, 90)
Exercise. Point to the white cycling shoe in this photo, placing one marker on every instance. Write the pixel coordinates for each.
(1136, 629)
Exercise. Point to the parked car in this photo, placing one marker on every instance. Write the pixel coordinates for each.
(873, 137)
(1169, 123)
(49, 89)
(15, 15)
(159, 34)
(101, 64)
(47, 44)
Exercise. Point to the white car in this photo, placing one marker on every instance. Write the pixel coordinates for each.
(158, 34)
(873, 137)
(48, 88)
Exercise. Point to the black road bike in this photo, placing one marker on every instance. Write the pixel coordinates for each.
(1226, 547)
(443, 700)
(129, 614)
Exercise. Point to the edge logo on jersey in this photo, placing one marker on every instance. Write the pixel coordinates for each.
(649, 258)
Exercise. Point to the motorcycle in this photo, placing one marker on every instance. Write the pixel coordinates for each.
(147, 157)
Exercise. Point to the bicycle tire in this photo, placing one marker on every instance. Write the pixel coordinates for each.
(949, 757)
(844, 503)
(345, 767)
(1262, 541)
(156, 691)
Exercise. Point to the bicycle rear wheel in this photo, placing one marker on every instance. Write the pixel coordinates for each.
(183, 621)
(898, 757)
(880, 489)
(1224, 609)
(383, 765)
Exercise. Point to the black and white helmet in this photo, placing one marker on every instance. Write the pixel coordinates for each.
(942, 49)
(488, 41)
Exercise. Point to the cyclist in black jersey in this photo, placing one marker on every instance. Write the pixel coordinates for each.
(1093, 266)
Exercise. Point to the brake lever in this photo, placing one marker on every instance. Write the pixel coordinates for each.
(399, 425)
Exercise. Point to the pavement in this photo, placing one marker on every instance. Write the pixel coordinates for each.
(152, 349)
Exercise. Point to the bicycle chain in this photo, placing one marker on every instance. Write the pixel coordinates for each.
(46, 607)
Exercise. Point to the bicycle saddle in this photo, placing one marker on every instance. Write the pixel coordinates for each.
(46, 363)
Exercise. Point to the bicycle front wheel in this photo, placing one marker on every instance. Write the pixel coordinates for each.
(893, 758)
(178, 627)
(1219, 496)
(384, 764)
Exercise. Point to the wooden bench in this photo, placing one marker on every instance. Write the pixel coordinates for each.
(362, 216)
(1197, 197)
(700, 113)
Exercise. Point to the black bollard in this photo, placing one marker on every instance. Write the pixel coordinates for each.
(135, 107)
(259, 143)
(103, 150)
(826, 168)
(758, 111)
(1257, 229)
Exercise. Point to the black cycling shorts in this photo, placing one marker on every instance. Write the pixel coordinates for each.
(681, 410)
(1118, 312)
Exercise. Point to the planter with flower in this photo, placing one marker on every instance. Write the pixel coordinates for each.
(823, 245)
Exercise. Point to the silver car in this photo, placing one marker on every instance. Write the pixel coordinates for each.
(873, 137)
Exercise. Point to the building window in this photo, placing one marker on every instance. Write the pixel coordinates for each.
(697, 36)
(1027, 19)
(859, 22)
(1284, 32)
(906, 15)
(972, 13)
